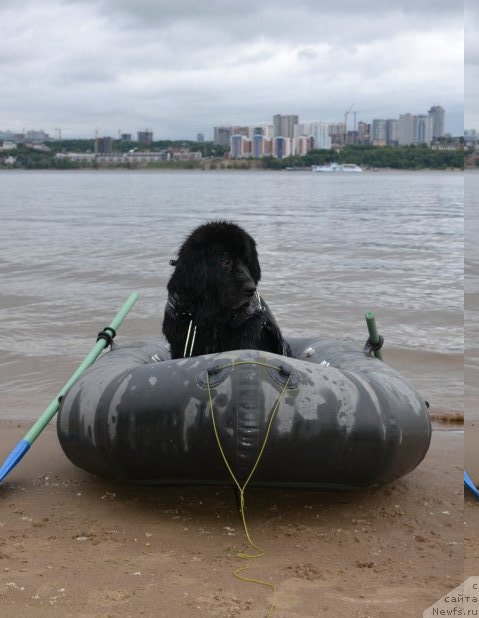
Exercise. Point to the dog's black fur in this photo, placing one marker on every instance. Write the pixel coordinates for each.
(213, 287)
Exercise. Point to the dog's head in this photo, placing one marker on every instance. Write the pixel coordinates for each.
(217, 265)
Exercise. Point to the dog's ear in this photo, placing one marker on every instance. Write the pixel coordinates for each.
(253, 262)
(190, 278)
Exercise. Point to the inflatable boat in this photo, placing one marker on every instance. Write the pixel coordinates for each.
(330, 417)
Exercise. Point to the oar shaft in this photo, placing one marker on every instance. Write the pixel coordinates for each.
(94, 353)
(373, 332)
(23, 445)
(470, 485)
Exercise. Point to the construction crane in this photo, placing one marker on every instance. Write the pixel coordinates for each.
(355, 115)
(346, 115)
(59, 132)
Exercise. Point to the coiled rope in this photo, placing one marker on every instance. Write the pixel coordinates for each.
(241, 488)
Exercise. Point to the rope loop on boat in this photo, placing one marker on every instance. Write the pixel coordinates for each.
(242, 488)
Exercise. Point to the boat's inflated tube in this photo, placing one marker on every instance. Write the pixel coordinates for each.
(342, 419)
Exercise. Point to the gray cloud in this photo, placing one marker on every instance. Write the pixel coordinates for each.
(471, 65)
(183, 67)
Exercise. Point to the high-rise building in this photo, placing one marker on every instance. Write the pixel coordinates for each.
(247, 148)
(145, 138)
(423, 129)
(236, 146)
(414, 129)
(222, 136)
(320, 134)
(364, 131)
(337, 132)
(282, 147)
(302, 129)
(240, 147)
(237, 130)
(267, 147)
(103, 145)
(392, 128)
(268, 131)
(437, 115)
(302, 145)
(283, 126)
(256, 130)
(406, 130)
(37, 137)
(378, 133)
(200, 138)
(257, 145)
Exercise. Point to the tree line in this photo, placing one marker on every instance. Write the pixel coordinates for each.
(395, 157)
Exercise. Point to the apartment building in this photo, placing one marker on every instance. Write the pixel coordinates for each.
(437, 116)
(283, 126)
(378, 134)
(414, 129)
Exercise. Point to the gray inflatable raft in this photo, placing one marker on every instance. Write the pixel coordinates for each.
(342, 418)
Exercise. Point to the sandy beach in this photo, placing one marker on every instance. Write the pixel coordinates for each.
(72, 544)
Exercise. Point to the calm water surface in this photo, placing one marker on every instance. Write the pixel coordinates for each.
(73, 245)
(471, 296)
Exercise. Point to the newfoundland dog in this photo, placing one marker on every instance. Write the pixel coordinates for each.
(213, 305)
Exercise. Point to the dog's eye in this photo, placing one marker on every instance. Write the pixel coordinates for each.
(226, 262)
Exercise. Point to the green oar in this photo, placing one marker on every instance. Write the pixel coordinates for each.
(104, 338)
(373, 332)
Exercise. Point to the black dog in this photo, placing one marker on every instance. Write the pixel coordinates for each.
(213, 305)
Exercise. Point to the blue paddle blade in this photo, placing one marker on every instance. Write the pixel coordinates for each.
(470, 485)
(15, 456)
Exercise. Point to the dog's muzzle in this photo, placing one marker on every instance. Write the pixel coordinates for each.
(247, 311)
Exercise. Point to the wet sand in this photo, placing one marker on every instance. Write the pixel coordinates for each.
(75, 545)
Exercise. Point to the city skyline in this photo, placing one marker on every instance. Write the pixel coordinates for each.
(287, 136)
(59, 133)
(180, 70)
(380, 132)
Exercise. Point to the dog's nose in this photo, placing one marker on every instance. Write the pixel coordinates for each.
(245, 281)
(249, 288)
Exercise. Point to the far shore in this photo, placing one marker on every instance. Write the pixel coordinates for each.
(226, 168)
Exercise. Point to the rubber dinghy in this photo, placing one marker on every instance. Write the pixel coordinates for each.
(332, 417)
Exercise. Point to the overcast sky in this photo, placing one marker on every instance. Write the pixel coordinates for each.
(471, 64)
(180, 67)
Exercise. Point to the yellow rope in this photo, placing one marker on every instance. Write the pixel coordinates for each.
(241, 489)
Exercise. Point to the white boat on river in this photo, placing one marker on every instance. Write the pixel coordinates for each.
(337, 168)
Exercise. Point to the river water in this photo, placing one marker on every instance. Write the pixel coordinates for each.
(471, 296)
(73, 245)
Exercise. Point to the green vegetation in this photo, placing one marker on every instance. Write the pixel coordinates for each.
(207, 149)
(395, 157)
(29, 158)
(72, 145)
